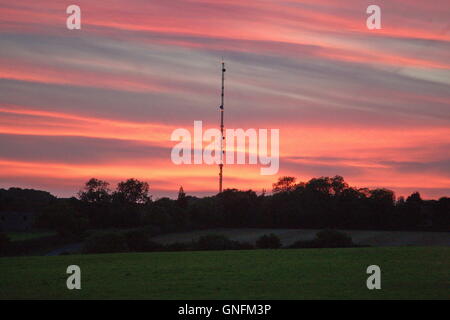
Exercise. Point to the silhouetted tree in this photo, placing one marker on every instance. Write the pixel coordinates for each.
(318, 203)
(414, 210)
(414, 199)
(322, 185)
(182, 199)
(238, 208)
(284, 184)
(132, 191)
(441, 214)
(17, 199)
(95, 191)
(338, 185)
(96, 199)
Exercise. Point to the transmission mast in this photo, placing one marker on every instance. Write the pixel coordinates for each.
(222, 147)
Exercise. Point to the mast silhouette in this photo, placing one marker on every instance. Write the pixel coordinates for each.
(222, 151)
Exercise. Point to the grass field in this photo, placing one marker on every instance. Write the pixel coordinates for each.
(407, 273)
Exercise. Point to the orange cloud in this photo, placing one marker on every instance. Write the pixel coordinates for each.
(327, 36)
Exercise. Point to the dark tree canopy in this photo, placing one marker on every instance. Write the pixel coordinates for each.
(284, 184)
(133, 191)
(95, 191)
(182, 200)
(324, 202)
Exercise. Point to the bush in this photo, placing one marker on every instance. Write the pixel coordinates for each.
(270, 241)
(333, 239)
(106, 243)
(139, 241)
(325, 239)
(214, 242)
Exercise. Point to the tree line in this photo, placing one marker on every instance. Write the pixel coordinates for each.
(325, 202)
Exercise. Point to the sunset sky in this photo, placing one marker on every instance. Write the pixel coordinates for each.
(370, 105)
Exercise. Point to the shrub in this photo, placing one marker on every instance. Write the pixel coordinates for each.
(325, 239)
(333, 239)
(106, 243)
(270, 241)
(139, 241)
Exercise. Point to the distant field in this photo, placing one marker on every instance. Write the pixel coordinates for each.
(407, 273)
(20, 236)
(289, 236)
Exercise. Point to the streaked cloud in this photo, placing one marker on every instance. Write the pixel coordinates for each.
(373, 106)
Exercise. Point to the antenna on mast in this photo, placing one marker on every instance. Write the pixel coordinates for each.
(222, 151)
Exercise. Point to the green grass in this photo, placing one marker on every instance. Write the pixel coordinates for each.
(407, 273)
(20, 236)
